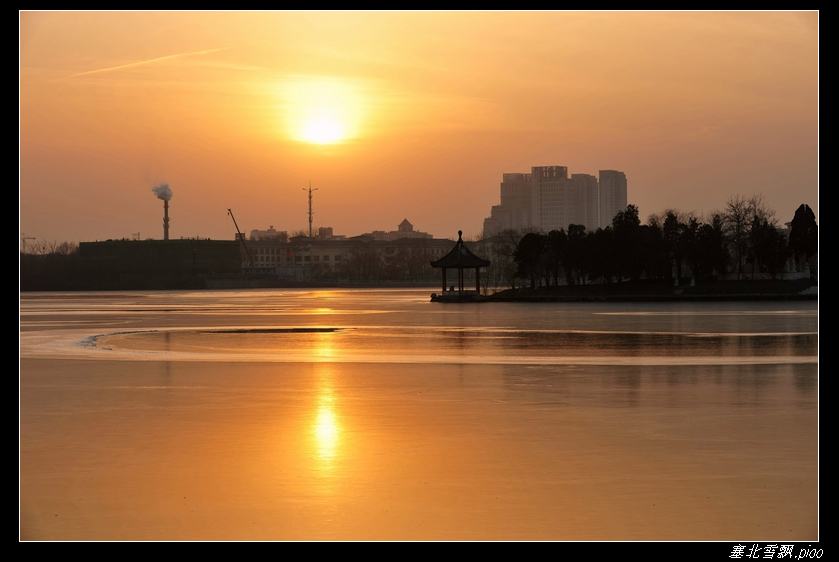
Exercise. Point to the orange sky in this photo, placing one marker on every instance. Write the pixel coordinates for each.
(427, 111)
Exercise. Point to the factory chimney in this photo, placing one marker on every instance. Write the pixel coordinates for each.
(165, 219)
(162, 191)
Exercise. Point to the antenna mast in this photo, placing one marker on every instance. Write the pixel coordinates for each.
(310, 190)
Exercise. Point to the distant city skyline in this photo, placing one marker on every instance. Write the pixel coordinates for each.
(397, 115)
(549, 198)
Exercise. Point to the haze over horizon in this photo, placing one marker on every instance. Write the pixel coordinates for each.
(394, 115)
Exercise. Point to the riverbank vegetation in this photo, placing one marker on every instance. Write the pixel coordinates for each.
(741, 242)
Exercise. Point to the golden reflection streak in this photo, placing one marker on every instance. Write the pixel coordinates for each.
(326, 433)
(327, 427)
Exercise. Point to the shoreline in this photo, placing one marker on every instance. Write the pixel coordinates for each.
(652, 298)
(742, 290)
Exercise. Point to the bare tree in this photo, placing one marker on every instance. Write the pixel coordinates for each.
(504, 253)
(745, 220)
(477, 237)
(760, 209)
(44, 247)
(736, 217)
(67, 248)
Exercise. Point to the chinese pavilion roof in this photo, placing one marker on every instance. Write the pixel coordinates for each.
(460, 257)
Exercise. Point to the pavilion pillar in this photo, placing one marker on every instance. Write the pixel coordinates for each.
(444, 279)
(478, 279)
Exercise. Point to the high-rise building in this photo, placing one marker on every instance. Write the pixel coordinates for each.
(515, 196)
(549, 199)
(553, 198)
(612, 195)
(514, 210)
(588, 197)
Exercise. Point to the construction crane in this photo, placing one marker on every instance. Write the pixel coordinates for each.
(242, 238)
(23, 239)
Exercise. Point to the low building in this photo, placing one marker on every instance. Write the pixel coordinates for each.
(360, 258)
(269, 234)
(404, 230)
(158, 264)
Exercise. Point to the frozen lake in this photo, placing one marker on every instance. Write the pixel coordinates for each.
(375, 414)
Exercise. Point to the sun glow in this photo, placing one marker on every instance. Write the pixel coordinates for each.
(326, 431)
(323, 130)
(322, 110)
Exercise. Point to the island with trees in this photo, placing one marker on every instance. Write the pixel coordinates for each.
(739, 252)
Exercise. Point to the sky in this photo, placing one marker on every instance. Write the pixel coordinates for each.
(394, 115)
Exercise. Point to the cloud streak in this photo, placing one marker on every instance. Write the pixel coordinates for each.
(144, 62)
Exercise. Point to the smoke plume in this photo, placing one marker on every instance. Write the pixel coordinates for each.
(162, 191)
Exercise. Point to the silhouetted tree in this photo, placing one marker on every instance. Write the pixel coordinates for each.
(742, 215)
(737, 224)
(626, 226)
(529, 256)
(504, 253)
(705, 248)
(658, 261)
(602, 254)
(575, 254)
(52, 266)
(672, 230)
(804, 235)
(771, 249)
(556, 245)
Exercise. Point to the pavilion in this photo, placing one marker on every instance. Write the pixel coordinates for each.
(461, 258)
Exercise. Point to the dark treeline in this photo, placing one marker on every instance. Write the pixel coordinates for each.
(48, 266)
(742, 239)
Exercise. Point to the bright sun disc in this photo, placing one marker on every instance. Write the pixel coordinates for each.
(321, 110)
(323, 130)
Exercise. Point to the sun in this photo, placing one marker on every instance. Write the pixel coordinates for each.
(323, 130)
(321, 110)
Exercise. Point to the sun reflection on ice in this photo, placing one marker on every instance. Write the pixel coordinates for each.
(326, 431)
(327, 425)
